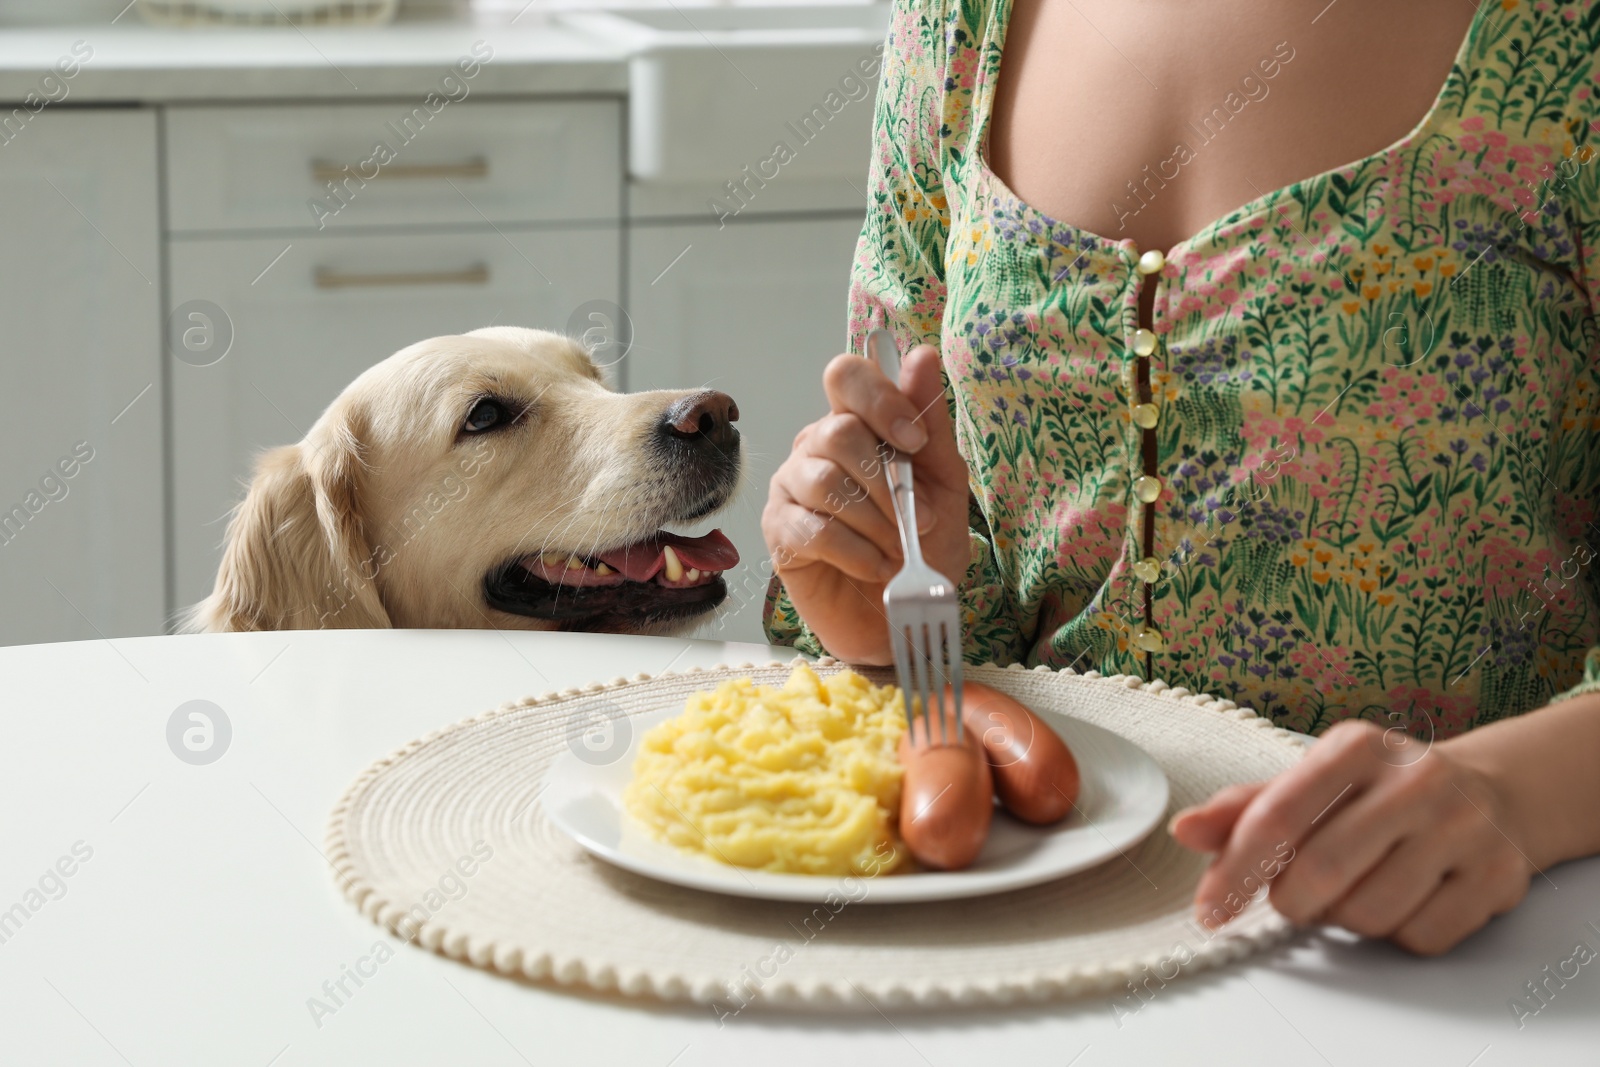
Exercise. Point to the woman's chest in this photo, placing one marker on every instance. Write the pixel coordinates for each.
(1415, 318)
(1147, 121)
(1315, 298)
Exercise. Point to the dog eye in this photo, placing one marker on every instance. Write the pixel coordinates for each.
(486, 414)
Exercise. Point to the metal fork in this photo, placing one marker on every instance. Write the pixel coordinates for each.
(922, 605)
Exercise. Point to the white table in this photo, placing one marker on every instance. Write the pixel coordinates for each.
(205, 917)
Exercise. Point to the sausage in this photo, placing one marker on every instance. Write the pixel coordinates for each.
(1035, 775)
(946, 799)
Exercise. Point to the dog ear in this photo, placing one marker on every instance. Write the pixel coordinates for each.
(296, 556)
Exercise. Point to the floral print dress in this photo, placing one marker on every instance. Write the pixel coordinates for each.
(1355, 471)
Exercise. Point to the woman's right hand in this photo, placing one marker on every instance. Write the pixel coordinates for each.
(829, 522)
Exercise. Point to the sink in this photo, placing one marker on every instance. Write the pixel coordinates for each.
(733, 96)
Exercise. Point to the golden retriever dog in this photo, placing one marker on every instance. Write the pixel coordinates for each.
(486, 480)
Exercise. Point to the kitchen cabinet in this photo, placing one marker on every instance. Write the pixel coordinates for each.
(333, 168)
(82, 495)
(755, 308)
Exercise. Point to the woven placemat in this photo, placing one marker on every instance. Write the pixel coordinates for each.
(444, 843)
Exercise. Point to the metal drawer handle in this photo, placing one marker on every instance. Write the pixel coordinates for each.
(329, 279)
(323, 171)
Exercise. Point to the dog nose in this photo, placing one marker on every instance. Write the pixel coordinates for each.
(707, 416)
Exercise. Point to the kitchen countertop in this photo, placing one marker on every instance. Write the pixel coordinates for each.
(200, 916)
(136, 62)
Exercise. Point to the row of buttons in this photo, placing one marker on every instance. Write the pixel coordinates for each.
(1147, 487)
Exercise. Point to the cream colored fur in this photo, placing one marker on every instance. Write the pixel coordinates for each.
(384, 517)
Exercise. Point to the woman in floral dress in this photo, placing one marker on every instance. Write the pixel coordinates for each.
(1333, 457)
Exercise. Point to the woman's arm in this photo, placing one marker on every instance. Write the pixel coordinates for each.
(1423, 849)
(1546, 765)
(897, 282)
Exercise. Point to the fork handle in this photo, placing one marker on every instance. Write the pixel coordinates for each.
(904, 500)
(882, 348)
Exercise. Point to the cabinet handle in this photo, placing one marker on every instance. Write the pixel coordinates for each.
(329, 279)
(323, 171)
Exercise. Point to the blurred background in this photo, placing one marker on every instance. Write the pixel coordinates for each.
(214, 214)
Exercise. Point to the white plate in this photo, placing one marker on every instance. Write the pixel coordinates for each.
(1122, 798)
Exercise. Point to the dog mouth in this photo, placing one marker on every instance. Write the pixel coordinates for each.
(664, 576)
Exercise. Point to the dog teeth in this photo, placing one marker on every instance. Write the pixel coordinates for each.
(556, 561)
(693, 575)
(674, 568)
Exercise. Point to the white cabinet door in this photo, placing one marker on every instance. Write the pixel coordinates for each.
(755, 309)
(340, 168)
(81, 499)
(272, 347)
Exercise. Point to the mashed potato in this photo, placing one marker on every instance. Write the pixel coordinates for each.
(804, 779)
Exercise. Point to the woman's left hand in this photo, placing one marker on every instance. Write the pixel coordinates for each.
(1422, 853)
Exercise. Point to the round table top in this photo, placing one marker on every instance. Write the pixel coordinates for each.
(161, 903)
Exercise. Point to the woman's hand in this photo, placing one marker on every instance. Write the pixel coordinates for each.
(829, 522)
(1422, 853)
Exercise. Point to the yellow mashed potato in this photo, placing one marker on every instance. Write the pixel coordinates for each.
(803, 779)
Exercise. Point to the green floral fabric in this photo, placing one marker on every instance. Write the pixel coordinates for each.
(1377, 393)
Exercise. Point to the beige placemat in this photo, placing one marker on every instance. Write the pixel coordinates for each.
(444, 842)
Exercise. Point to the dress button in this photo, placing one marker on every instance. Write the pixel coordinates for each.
(1146, 416)
(1147, 570)
(1147, 488)
(1149, 639)
(1152, 262)
(1144, 342)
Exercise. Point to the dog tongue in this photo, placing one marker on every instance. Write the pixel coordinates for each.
(641, 560)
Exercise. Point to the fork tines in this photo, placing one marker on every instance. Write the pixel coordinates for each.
(927, 656)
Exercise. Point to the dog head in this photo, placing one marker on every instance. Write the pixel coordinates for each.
(486, 480)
